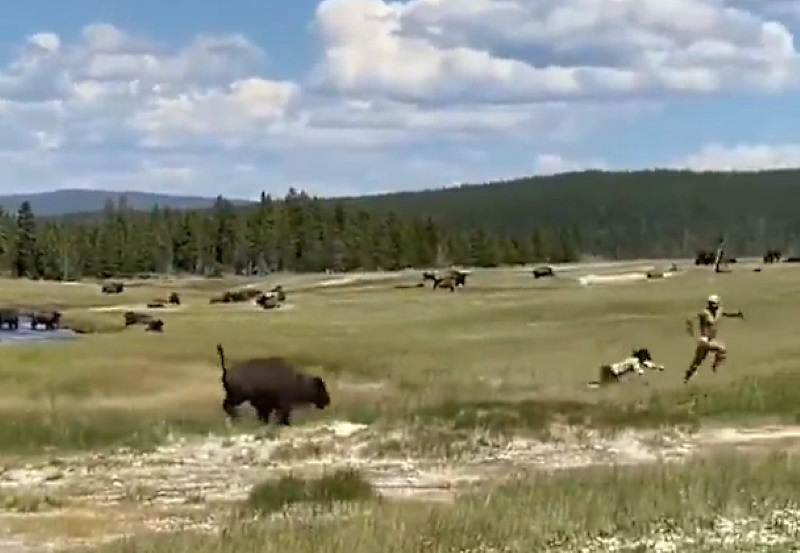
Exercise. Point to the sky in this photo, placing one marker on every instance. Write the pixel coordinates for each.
(349, 97)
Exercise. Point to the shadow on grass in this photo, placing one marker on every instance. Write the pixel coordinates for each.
(342, 485)
(775, 396)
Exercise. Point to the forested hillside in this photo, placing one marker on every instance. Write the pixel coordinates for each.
(72, 201)
(625, 214)
(556, 219)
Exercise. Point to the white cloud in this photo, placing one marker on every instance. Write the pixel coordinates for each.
(395, 81)
(743, 157)
(449, 49)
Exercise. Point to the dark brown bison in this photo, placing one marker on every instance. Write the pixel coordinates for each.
(269, 301)
(155, 325)
(772, 256)
(705, 257)
(112, 288)
(269, 384)
(49, 319)
(133, 318)
(459, 277)
(174, 298)
(445, 283)
(9, 316)
(544, 271)
(279, 293)
(237, 296)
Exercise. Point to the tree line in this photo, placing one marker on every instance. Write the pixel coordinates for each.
(539, 219)
(294, 233)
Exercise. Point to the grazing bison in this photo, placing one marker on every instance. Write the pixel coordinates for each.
(174, 298)
(112, 288)
(269, 301)
(155, 325)
(459, 277)
(270, 384)
(543, 271)
(705, 257)
(772, 256)
(49, 319)
(446, 283)
(278, 291)
(133, 318)
(237, 296)
(9, 316)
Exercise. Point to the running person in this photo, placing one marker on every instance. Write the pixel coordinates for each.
(707, 341)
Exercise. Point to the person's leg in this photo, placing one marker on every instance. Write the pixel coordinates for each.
(700, 353)
(720, 353)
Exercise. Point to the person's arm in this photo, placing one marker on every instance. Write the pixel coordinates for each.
(733, 314)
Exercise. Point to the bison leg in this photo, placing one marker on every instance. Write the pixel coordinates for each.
(263, 410)
(284, 416)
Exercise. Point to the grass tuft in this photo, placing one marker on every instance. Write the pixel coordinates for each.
(344, 485)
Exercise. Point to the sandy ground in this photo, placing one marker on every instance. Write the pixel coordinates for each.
(189, 484)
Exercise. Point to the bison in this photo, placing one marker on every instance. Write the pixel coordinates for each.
(278, 291)
(133, 318)
(237, 296)
(447, 282)
(154, 325)
(459, 277)
(544, 271)
(772, 256)
(269, 301)
(705, 257)
(174, 299)
(49, 319)
(9, 316)
(112, 288)
(269, 384)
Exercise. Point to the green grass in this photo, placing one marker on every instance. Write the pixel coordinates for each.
(507, 354)
(339, 486)
(542, 512)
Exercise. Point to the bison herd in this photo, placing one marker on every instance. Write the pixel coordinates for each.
(48, 319)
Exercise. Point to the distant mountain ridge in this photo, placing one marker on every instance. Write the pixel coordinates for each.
(69, 201)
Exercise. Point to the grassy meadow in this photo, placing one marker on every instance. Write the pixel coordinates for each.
(507, 355)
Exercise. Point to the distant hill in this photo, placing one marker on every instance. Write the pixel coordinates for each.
(69, 201)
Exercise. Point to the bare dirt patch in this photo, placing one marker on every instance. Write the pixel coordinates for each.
(190, 483)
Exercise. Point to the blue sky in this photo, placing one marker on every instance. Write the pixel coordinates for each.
(363, 96)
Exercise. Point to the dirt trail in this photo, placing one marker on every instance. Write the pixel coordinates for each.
(190, 483)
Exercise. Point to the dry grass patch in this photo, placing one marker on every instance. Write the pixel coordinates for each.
(709, 505)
